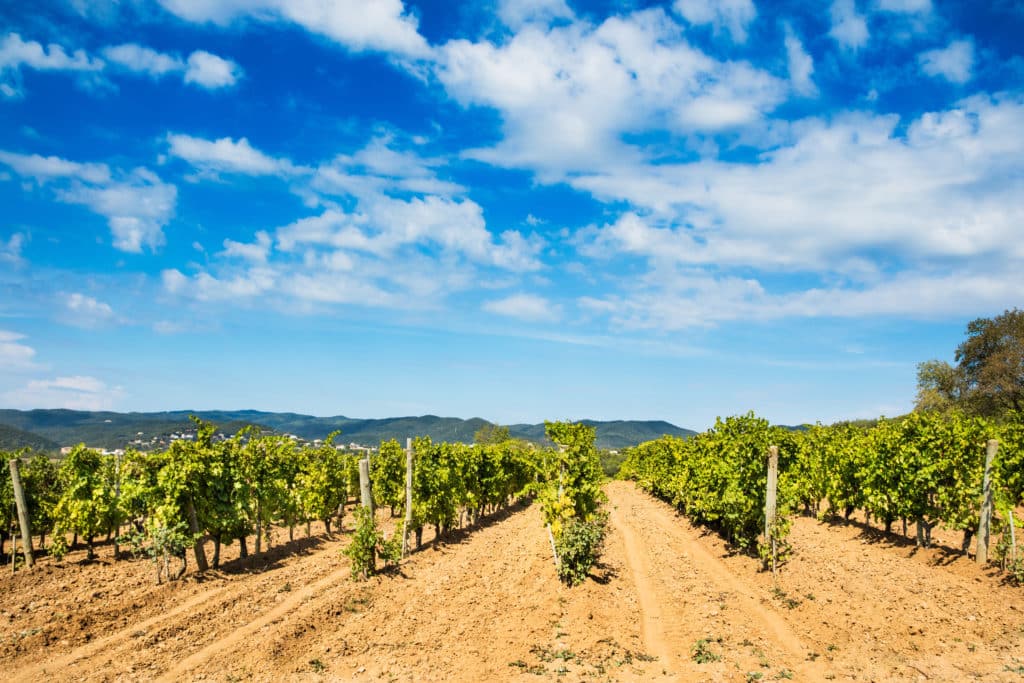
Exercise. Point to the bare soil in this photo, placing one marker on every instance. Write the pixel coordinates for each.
(669, 601)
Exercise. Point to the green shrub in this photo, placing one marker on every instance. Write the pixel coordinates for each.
(368, 543)
(578, 547)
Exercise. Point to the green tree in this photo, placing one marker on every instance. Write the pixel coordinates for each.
(42, 490)
(491, 433)
(86, 500)
(991, 361)
(939, 387)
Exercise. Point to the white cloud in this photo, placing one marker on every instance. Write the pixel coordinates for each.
(44, 169)
(935, 195)
(954, 62)
(381, 225)
(517, 13)
(401, 237)
(382, 25)
(85, 311)
(568, 94)
(380, 167)
(905, 6)
(849, 28)
(136, 207)
(680, 299)
(136, 204)
(15, 53)
(202, 68)
(801, 65)
(734, 16)
(10, 249)
(257, 251)
(13, 354)
(525, 307)
(226, 155)
(75, 392)
(210, 71)
(140, 59)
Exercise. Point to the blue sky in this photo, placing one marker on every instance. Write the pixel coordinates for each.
(518, 210)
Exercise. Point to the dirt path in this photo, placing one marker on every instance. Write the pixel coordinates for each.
(668, 602)
(688, 596)
(640, 573)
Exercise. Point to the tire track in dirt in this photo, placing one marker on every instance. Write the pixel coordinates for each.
(445, 597)
(237, 636)
(638, 563)
(130, 644)
(48, 667)
(680, 582)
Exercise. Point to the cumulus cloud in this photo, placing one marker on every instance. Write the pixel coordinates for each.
(849, 28)
(10, 249)
(140, 59)
(905, 6)
(567, 95)
(525, 307)
(74, 392)
(136, 204)
(801, 65)
(15, 355)
(256, 252)
(16, 52)
(937, 194)
(210, 71)
(202, 68)
(517, 13)
(136, 207)
(85, 311)
(43, 169)
(226, 155)
(955, 62)
(390, 232)
(733, 16)
(382, 25)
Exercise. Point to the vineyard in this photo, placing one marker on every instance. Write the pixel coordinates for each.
(923, 470)
(223, 492)
(519, 564)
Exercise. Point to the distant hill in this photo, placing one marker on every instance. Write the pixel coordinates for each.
(115, 430)
(12, 439)
(614, 434)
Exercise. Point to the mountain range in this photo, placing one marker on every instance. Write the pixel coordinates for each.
(47, 429)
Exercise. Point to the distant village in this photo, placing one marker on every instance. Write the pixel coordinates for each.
(163, 441)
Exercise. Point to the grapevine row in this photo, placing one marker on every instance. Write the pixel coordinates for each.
(923, 469)
(224, 492)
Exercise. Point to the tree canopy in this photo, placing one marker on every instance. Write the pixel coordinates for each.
(988, 378)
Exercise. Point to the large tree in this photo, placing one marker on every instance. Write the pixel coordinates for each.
(988, 378)
(991, 361)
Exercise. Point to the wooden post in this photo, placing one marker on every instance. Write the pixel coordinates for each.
(19, 499)
(408, 497)
(985, 517)
(770, 496)
(1013, 536)
(117, 502)
(364, 484)
(197, 547)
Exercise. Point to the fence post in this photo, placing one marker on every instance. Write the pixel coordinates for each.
(117, 499)
(770, 503)
(364, 484)
(985, 516)
(19, 499)
(408, 497)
